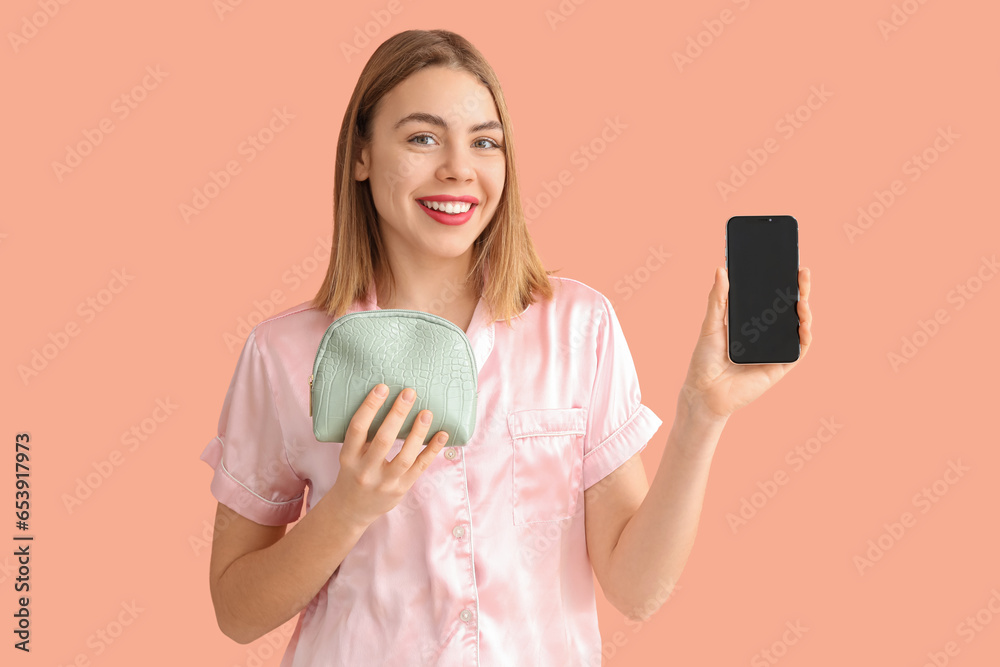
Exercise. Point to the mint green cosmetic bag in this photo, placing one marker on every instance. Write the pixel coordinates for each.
(400, 348)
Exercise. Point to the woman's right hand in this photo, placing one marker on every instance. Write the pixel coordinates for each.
(368, 485)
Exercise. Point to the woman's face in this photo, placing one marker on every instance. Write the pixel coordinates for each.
(436, 133)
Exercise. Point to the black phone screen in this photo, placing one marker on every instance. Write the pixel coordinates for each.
(762, 259)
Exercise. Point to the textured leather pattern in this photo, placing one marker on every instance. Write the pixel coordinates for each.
(401, 348)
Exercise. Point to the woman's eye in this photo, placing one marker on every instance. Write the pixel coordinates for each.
(490, 143)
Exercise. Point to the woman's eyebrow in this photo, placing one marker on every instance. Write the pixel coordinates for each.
(422, 117)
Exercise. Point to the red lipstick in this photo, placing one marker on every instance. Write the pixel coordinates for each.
(449, 218)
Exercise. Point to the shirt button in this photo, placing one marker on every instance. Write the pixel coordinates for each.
(465, 615)
(458, 531)
(450, 453)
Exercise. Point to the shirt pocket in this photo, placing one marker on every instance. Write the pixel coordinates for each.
(548, 463)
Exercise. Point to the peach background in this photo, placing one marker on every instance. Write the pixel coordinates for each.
(135, 538)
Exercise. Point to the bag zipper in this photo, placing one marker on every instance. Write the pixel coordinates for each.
(345, 318)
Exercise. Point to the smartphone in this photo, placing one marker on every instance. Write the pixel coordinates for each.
(762, 260)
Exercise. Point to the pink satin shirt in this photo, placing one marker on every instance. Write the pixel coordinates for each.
(484, 561)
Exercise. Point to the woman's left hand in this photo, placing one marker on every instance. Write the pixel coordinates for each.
(717, 387)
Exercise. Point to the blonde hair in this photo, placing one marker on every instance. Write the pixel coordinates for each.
(515, 272)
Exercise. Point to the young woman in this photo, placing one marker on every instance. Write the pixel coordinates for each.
(485, 554)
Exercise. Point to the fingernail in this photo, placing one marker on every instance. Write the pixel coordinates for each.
(381, 390)
(408, 394)
(425, 418)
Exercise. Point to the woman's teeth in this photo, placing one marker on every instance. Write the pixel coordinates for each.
(452, 207)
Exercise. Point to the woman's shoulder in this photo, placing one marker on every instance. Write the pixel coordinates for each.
(289, 330)
(574, 307)
(570, 292)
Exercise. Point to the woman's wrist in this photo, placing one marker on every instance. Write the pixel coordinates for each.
(692, 403)
(696, 428)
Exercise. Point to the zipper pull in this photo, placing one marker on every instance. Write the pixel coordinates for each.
(310, 395)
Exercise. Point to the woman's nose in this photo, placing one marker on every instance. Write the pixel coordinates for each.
(456, 163)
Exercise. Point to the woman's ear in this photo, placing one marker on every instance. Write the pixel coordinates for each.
(361, 167)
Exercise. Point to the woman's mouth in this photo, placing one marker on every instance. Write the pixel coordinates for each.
(448, 213)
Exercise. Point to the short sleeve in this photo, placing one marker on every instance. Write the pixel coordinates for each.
(619, 425)
(252, 474)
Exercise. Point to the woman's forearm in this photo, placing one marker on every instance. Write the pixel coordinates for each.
(263, 589)
(655, 543)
